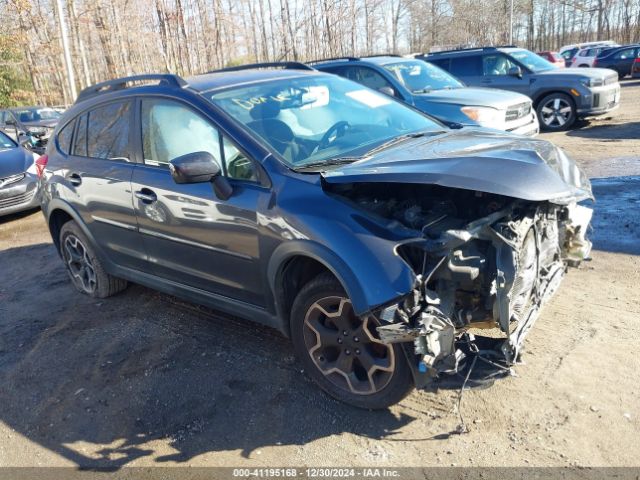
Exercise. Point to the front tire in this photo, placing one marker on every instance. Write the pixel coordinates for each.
(342, 353)
(556, 112)
(83, 266)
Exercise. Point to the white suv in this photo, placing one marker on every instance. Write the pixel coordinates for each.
(586, 56)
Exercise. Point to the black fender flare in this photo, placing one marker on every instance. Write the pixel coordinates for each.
(326, 257)
(363, 299)
(59, 204)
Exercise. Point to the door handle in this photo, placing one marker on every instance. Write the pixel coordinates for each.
(74, 178)
(146, 195)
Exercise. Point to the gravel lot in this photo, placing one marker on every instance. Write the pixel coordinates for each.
(144, 379)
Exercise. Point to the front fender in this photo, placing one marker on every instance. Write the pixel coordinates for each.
(369, 280)
(445, 112)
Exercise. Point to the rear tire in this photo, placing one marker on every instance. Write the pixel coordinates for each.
(556, 112)
(83, 266)
(341, 352)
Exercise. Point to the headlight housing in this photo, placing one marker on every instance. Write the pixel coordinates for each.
(592, 82)
(485, 116)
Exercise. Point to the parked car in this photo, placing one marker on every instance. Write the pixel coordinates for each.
(436, 92)
(560, 96)
(370, 234)
(635, 68)
(18, 179)
(619, 59)
(568, 52)
(35, 123)
(586, 56)
(553, 58)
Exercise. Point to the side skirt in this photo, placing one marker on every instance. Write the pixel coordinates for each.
(202, 297)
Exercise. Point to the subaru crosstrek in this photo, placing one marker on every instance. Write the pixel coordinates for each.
(371, 235)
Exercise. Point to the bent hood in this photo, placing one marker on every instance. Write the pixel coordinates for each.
(482, 97)
(14, 161)
(475, 159)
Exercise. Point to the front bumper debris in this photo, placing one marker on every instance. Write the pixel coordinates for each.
(495, 275)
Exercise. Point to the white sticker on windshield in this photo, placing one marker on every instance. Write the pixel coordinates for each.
(369, 98)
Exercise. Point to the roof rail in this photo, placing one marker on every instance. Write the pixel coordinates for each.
(121, 83)
(285, 65)
(382, 55)
(320, 60)
(459, 50)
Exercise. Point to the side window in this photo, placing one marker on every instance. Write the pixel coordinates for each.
(80, 143)
(3, 115)
(496, 64)
(237, 165)
(442, 63)
(64, 137)
(624, 54)
(467, 66)
(108, 132)
(170, 130)
(347, 72)
(372, 79)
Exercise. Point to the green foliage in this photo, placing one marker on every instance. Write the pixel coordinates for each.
(15, 88)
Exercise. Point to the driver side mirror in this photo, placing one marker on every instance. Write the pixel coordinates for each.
(387, 91)
(515, 72)
(10, 121)
(200, 167)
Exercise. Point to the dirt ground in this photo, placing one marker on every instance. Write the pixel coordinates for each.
(143, 379)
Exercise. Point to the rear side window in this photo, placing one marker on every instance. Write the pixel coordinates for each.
(441, 62)
(108, 132)
(80, 144)
(466, 66)
(64, 137)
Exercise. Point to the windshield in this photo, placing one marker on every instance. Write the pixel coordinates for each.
(533, 62)
(321, 117)
(422, 77)
(36, 114)
(6, 142)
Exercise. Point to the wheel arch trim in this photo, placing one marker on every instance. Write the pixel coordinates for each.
(329, 259)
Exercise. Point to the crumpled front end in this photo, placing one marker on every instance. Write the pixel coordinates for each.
(485, 265)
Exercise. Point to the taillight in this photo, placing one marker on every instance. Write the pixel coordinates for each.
(41, 162)
(595, 62)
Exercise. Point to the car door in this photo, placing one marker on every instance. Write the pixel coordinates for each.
(191, 236)
(623, 60)
(97, 178)
(496, 73)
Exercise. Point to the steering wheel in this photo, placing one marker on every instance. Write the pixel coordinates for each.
(335, 131)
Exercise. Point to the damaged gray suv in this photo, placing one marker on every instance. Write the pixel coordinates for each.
(374, 237)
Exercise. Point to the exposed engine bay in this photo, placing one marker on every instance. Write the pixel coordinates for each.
(483, 263)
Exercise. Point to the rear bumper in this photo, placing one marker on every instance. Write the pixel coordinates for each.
(19, 196)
